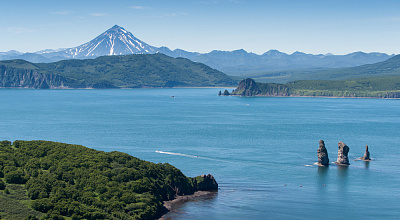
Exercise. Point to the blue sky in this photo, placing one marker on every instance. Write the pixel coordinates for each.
(310, 26)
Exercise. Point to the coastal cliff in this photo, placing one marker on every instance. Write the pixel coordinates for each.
(11, 77)
(64, 180)
(249, 87)
(378, 87)
(127, 71)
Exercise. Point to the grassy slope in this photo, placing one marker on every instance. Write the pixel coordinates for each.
(380, 87)
(15, 205)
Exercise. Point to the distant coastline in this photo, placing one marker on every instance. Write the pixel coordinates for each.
(381, 87)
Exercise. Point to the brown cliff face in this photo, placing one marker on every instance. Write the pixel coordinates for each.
(343, 151)
(22, 78)
(366, 156)
(323, 159)
(247, 87)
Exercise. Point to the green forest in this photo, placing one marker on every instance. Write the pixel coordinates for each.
(389, 67)
(51, 180)
(127, 71)
(376, 87)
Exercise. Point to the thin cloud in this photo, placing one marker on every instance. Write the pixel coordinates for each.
(98, 14)
(64, 12)
(173, 15)
(220, 1)
(139, 7)
(18, 30)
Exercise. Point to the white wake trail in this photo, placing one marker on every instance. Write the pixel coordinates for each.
(176, 154)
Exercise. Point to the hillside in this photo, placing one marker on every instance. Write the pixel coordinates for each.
(384, 68)
(55, 180)
(377, 87)
(127, 71)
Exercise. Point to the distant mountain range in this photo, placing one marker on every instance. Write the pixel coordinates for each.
(380, 80)
(118, 41)
(125, 71)
(388, 67)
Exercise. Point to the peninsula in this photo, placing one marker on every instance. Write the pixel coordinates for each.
(54, 180)
(377, 87)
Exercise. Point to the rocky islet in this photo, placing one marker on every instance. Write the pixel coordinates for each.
(343, 150)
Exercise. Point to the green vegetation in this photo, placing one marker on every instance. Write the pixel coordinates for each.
(128, 71)
(378, 87)
(51, 180)
(388, 67)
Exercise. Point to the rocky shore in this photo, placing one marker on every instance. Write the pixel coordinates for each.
(205, 186)
(172, 204)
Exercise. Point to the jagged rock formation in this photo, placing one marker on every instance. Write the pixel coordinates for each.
(366, 156)
(205, 183)
(247, 87)
(343, 151)
(323, 159)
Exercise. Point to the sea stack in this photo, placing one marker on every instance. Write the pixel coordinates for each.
(323, 159)
(366, 156)
(342, 154)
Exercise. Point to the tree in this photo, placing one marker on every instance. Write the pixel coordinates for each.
(16, 177)
(2, 185)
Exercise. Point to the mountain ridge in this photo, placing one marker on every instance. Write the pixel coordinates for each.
(118, 41)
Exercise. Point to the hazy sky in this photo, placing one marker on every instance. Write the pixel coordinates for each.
(310, 26)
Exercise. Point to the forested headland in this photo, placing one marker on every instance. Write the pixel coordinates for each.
(106, 72)
(51, 180)
(376, 87)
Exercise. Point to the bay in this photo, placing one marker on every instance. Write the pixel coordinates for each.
(261, 150)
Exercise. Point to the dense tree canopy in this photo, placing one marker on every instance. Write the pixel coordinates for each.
(74, 181)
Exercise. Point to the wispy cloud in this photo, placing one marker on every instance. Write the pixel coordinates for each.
(18, 30)
(99, 14)
(139, 7)
(64, 12)
(173, 14)
(221, 1)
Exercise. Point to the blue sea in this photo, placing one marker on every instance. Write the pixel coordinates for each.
(261, 150)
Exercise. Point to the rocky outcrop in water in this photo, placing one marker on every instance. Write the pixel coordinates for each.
(205, 183)
(343, 151)
(323, 159)
(366, 156)
(247, 87)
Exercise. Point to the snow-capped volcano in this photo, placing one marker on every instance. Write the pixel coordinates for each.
(114, 41)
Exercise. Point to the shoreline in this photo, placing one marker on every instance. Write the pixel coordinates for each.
(303, 96)
(171, 204)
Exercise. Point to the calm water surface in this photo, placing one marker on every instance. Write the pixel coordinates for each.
(260, 150)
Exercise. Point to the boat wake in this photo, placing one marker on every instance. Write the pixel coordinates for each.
(176, 154)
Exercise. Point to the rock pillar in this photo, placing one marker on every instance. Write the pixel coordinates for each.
(323, 159)
(343, 151)
(366, 154)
